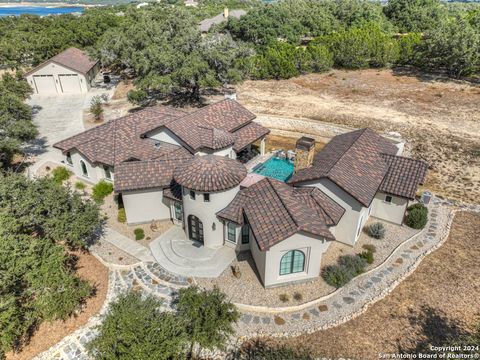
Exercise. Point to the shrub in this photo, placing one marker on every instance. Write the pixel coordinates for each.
(298, 296)
(337, 275)
(376, 230)
(137, 97)
(369, 247)
(284, 297)
(139, 233)
(96, 107)
(80, 185)
(122, 216)
(101, 190)
(60, 174)
(367, 255)
(417, 216)
(354, 264)
(134, 328)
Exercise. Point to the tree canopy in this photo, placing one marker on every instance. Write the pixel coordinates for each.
(38, 280)
(16, 126)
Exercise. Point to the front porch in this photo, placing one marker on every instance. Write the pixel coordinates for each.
(180, 255)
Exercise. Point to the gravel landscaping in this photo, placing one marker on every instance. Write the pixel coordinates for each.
(111, 254)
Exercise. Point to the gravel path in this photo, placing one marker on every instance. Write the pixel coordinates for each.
(331, 310)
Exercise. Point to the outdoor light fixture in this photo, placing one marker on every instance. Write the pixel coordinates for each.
(214, 226)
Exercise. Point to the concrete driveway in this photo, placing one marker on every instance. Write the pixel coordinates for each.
(57, 117)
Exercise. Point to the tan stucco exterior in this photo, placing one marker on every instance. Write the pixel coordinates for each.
(393, 211)
(95, 172)
(144, 206)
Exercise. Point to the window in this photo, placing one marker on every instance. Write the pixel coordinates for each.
(231, 232)
(292, 262)
(69, 159)
(84, 168)
(178, 211)
(245, 234)
(108, 173)
(192, 194)
(388, 199)
(206, 197)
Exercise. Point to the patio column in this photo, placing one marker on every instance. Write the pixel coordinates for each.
(262, 146)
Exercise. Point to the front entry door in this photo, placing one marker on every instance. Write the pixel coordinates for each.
(195, 228)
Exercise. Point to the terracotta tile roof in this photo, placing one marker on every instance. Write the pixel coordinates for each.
(174, 192)
(120, 139)
(72, 58)
(276, 211)
(210, 173)
(353, 161)
(248, 134)
(403, 176)
(139, 175)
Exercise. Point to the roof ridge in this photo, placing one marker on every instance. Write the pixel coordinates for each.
(361, 132)
(283, 203)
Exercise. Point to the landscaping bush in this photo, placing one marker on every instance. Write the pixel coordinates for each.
(417, 216)
(337, 275)
(60, 174)
(96, 107)
(122, 216)
(284, 297)
(80, 185)
(101, 191)
(367, 255)
(298, 296)
(370, 247)
(139, 234)
(354, 264)
(376, 230)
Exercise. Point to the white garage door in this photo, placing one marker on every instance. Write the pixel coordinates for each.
(45, 84)
(70, 83)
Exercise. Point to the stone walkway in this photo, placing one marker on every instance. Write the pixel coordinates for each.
(344, 304)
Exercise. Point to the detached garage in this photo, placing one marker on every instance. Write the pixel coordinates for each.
(70, 72)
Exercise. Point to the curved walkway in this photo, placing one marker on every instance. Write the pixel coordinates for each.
(338, 307)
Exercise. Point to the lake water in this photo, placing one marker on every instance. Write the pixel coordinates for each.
(38, 10)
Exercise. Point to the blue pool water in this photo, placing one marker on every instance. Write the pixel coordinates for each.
(38, 10)
(280, 169)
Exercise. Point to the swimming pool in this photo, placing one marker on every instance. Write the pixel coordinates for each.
(38, 10)
(280, 169)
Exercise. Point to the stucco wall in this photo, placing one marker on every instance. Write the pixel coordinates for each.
(222, 152)
(259, 258)
(95, 172)
(206, 212)
(312, 247)
(142, 206)
(165, 135)
(392, 212)
(346, 230)
(55, 70)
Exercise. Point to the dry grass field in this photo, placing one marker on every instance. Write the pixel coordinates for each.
(439, 300)
(440, 118)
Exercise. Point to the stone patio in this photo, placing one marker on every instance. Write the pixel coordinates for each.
(185, 257)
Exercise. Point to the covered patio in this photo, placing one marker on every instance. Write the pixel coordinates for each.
(180, 255)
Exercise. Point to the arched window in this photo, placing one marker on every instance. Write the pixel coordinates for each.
(292, 262)
(84, 168)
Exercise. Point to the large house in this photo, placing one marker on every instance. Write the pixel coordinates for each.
(187, 167)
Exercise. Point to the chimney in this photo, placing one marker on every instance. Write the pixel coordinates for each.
(304, 153)
(225, 12)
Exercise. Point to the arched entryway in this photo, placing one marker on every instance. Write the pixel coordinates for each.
(195, 228)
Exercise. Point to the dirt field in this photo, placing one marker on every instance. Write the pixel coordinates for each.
(49, 333)
(440, 118)
(434, 303)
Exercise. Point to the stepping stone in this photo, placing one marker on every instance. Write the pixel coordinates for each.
(348, 300)
(375, 279)
(414, 247)
(407, 251)
(266, 320)
(337, 305)
(368, 285)
(256, 320)
(246, 318)
(399, 261)
(419, 244)
(279, 320)
(354, 293)
(390, 269)
(314, 312)
(406, 256)
(306, 316)
(296, 316)
(323, 308)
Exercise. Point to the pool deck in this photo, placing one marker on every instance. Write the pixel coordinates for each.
(257, 160)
